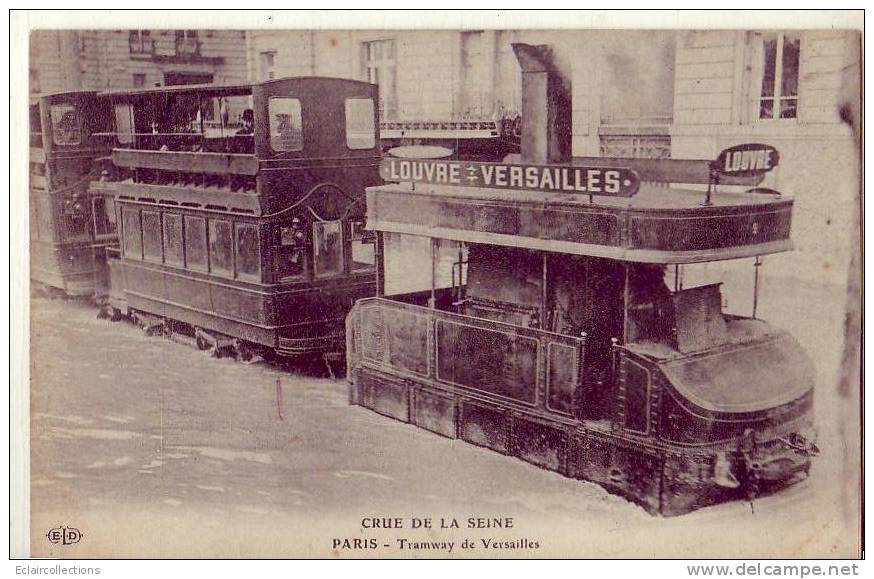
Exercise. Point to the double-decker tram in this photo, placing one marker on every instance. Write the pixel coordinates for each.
(553, 326)
(241, 211)
(68, 227)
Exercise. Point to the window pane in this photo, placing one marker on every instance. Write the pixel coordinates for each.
(328, 247)
(636, 397)
(104, 215)
(35, 127)
(65, 125)
(248, 250)
(766, 109)
(221, 253)
(133, 234)
(124, 124)
(562, 377)
(789, 82)
(152, 236)
(285, 124)
(195, 243)
(360, 128)
(363, 248)
(173, 239)
(289, 253)
(387, 91)
(74, 220)
(769, 65)
(788, 108)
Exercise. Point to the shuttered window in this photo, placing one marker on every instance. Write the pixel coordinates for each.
(152, 247)
(248, 251)
(195, 243)
(133, 233)
(221, 250)
(173, 252)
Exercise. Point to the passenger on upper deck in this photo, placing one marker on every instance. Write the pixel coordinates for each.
(248, 120)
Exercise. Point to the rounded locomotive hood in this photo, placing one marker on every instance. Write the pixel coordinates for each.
(764, 373)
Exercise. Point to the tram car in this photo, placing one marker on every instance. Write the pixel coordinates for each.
(552, 331)
(68, 227)
(241, 211)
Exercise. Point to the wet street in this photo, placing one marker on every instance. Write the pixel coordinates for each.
(152, 448)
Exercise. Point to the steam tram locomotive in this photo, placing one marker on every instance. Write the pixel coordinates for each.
(555, 338)
(241, 211)
(68, 228)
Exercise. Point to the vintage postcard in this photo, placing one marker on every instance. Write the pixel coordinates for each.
(437, 285)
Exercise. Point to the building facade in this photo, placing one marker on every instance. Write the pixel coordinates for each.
(67, 60)
(657, 94)
(784, 88)
(454, 75)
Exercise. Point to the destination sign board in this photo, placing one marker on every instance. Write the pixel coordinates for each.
(611, 181)
(747, 160)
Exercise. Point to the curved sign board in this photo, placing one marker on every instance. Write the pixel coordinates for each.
(420, 152)
(610, 181)
(748, 160)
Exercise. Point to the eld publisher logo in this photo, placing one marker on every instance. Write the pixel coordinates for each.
(64, 535)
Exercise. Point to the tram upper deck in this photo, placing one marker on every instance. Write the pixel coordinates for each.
(266, 139)
(657, 225)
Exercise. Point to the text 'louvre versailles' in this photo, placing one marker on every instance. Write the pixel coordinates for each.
(550, 178)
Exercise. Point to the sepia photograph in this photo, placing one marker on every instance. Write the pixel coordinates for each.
(399, 285)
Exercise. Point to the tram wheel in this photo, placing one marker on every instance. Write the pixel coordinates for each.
(244, 351)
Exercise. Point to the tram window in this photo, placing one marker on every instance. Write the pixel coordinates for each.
(234, 123)
(363, 248)
(248, 254)
(74, 220)
(286, 125)
(636, 397)
(103, 209)
(152, 249)
(65, 125)
(289, 252)
(35, 127)
(562, 377)
(195, 243)
(328, 247)
(133, 233)
(124, 124)
(173, 254)
(97, 116)
(360, 129)
(221, 251)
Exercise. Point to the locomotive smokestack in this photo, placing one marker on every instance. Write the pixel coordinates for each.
(546, 107)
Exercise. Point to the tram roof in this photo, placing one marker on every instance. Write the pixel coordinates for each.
(657, 225)
(34, 98)
(219, 89)
(204, 89)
